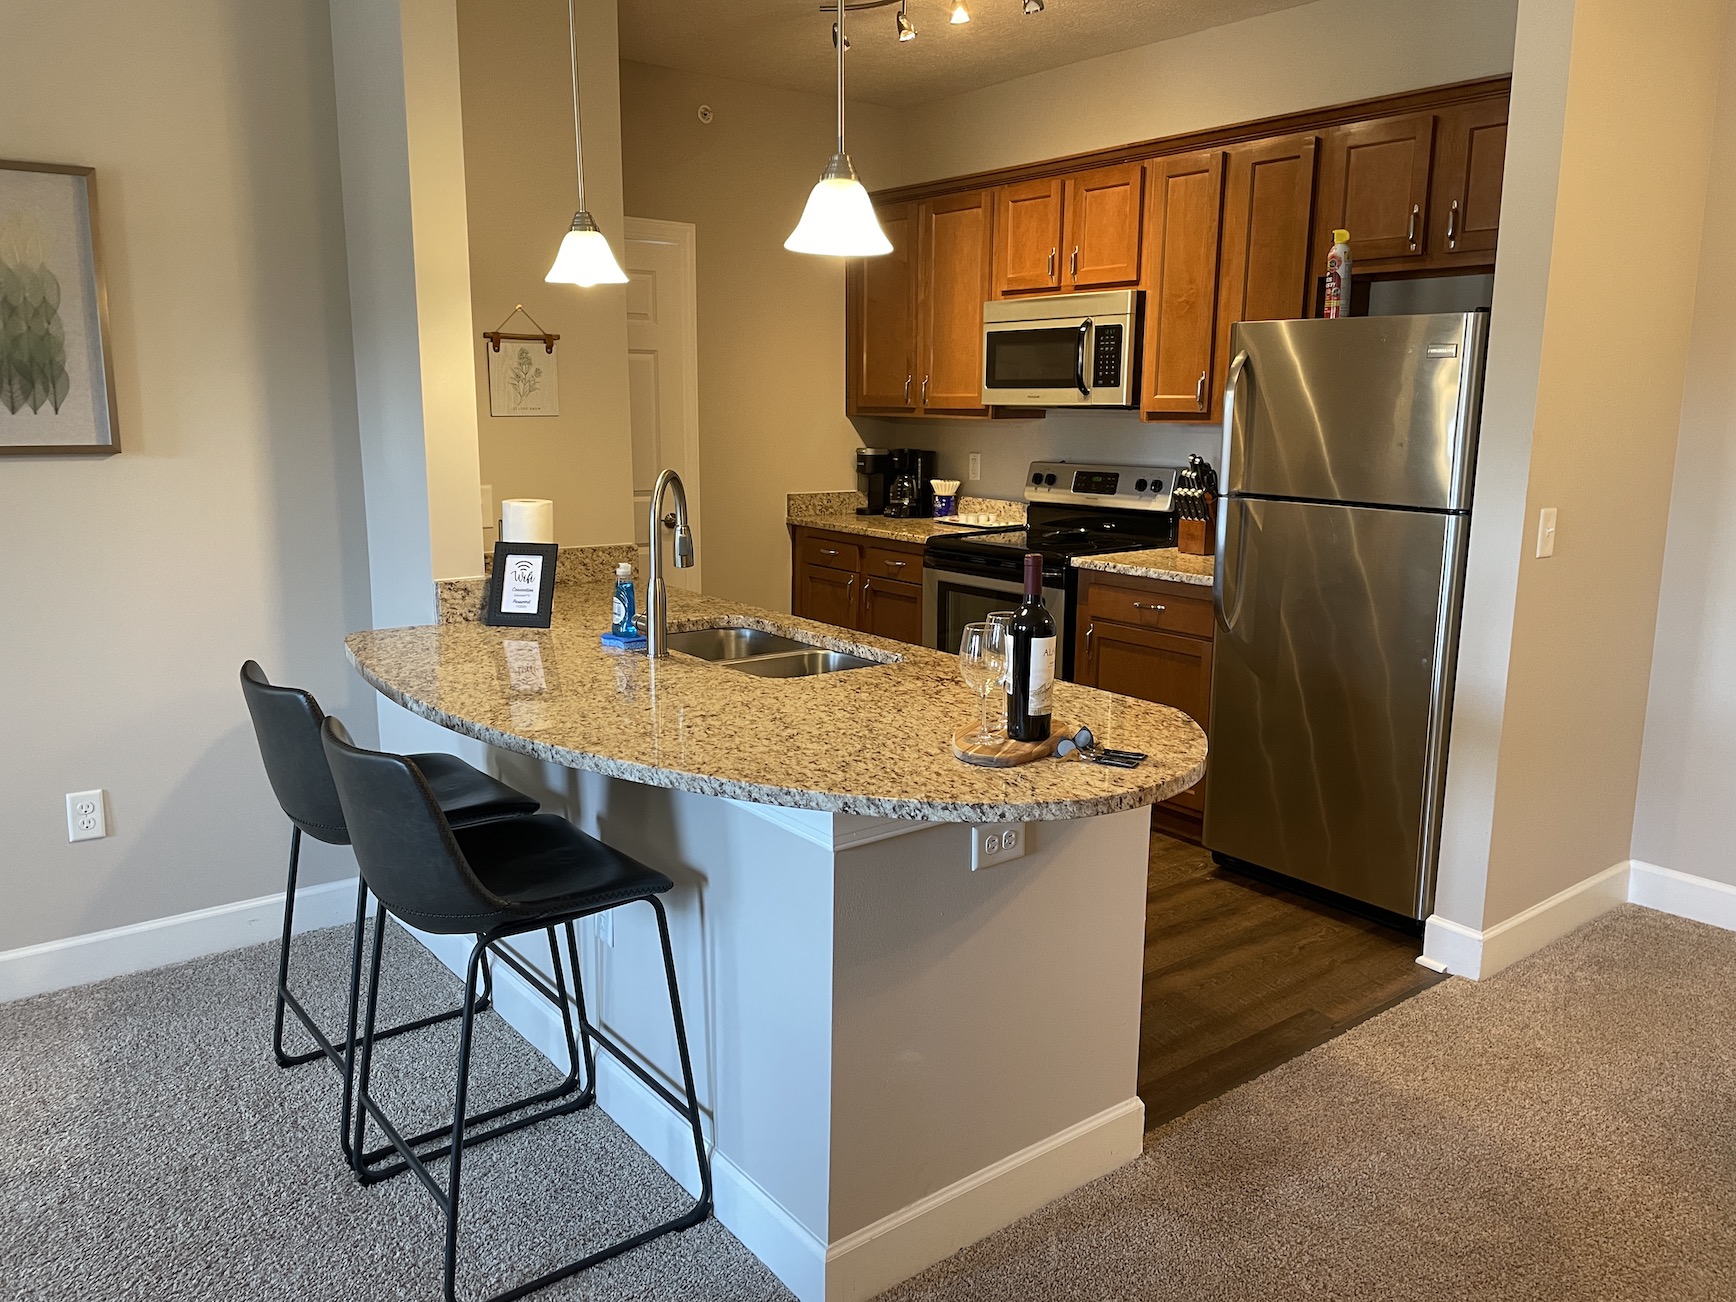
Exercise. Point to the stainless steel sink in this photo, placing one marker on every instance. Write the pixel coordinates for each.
(731, 643)
(798, 664)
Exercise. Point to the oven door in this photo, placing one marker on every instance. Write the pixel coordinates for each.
(1065, 362)
(958, 594)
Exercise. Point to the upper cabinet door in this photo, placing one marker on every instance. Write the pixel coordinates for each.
(1374, 182)
(956, 267)
(882, 319)
(1268, 201)
(1467, 200)
(1028, 252)
(1183, 221)
(1102, 244)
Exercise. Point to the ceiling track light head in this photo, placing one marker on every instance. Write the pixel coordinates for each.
(906, 28)
(960, 13)
(1033, 7)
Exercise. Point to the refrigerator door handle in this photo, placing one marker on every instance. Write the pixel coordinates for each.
(1231, 386)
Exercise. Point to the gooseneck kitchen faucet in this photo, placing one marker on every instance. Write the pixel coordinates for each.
(656, 591)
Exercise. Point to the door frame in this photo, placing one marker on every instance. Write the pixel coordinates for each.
(685, 237)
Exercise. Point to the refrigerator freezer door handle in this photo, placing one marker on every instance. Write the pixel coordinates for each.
(1237, 365)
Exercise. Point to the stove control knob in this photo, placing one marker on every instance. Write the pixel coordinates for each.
(1037, 478)
(1049, 479)
(1139, 485)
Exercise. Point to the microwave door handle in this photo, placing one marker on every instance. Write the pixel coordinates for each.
(1079, 367)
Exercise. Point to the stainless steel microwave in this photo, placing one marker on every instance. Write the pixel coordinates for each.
(1062, 350)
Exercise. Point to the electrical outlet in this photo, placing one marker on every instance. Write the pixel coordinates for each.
(86, 816)
(1546, 532)
(996, 843)
(976, 467)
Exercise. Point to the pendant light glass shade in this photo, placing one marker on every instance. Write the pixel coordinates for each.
(961, 13)
(839, 219)
(585, 257)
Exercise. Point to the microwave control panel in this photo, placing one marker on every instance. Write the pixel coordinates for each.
(1106, 373)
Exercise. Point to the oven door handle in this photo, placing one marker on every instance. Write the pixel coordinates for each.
(1079, 367)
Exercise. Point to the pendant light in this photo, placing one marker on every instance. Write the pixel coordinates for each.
(585, 257)
(839, 220)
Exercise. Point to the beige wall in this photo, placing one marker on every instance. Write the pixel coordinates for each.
(520, 184)
(231, 525)
(1686, 819)
(1566, 736)
(1318, 54)
(771, 340)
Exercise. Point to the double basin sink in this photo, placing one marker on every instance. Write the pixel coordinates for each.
(765, 655)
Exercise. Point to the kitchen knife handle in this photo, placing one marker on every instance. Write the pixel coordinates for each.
(1411, 234)
(1200, 392)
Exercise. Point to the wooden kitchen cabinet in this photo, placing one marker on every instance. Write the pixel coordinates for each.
(892, 609)
(1465, 209)
(1374, 182)
(1183, 224)
(1150, 639)
(954, 273)
(869, 585)
(1102, 211)
(1028, 248)
(1263, 274)
(882, 320)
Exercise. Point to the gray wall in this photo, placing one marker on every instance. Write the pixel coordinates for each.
(231, 524)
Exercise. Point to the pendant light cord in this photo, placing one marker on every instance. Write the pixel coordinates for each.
(841, 7)
(578, 140)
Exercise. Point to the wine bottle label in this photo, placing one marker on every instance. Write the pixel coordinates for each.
(1042, 680)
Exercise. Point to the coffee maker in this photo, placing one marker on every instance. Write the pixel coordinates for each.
(912, 489)
(873, 477)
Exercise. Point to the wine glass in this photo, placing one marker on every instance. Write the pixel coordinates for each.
(982, 660)
(1005, 619)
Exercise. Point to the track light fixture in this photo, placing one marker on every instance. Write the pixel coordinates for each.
(960, 12)
(1033, 7)
(906, 29)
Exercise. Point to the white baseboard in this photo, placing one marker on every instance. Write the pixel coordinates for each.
(874, 1258)
(1464, 951)
(1682, 894)
(79, 960)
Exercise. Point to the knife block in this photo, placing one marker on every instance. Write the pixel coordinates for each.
(1199, 537)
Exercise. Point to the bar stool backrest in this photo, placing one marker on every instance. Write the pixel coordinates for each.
(286, 724)
(403, 842)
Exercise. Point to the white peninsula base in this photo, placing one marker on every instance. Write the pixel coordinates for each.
(897, 1055)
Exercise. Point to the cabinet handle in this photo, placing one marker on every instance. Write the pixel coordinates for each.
(1052, 264)
(1154, 609)
(1416, 212)
(828, 551)
(1200, 392)
(907, 380)
(925, 391)
(898, 565)
(1090, 644)
(1453, 225)
(1073, 265)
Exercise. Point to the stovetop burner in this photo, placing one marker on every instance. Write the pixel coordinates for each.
(1066, 533)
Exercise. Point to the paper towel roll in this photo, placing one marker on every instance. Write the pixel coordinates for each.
(527, 519)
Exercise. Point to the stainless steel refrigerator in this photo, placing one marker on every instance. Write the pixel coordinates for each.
(1348, 452)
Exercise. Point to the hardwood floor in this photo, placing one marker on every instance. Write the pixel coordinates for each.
(1241, 976)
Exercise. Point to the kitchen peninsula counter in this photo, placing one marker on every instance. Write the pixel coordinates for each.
(872, 741)
(913, 985)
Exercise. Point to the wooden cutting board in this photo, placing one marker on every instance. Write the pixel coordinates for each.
(1004, 752)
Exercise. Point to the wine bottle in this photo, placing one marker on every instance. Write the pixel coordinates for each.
(1030, 703)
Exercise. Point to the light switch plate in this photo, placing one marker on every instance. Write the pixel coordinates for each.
(976, 467)
(992, 844)
(1546, 532)
(86, 816)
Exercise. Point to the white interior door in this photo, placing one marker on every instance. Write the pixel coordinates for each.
(663, 374)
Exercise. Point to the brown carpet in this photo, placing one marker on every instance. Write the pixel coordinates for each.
(1564, 1130)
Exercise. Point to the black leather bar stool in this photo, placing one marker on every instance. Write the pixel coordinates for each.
(286, 722)
(496, 881)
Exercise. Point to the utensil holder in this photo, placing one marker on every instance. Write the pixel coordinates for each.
(1199, 537)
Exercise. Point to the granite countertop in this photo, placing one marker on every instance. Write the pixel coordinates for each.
(881, 526)
(837, 511)
(1156, 563)
(872, 741)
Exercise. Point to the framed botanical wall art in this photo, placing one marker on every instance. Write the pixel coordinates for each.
(522, 379)
(56, 381)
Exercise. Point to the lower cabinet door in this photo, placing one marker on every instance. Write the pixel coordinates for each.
(1153, 666)
(892, 609)
(830, 596)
